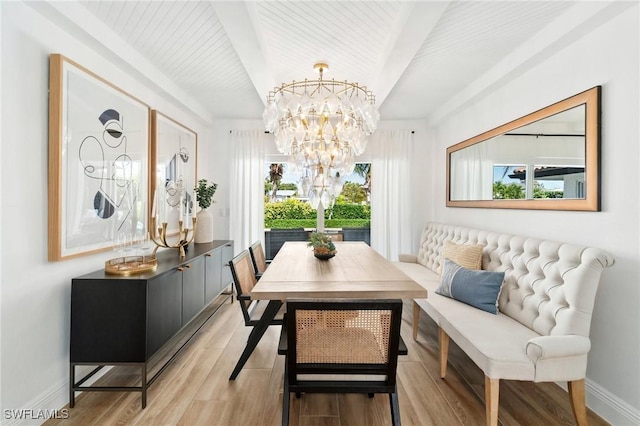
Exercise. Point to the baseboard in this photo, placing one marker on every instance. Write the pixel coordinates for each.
(53, 403)
(45, 406)
(610, 407)
(607, 405)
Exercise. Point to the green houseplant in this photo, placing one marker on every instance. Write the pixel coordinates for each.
(323, 247)
(204, 197)
(204, 193)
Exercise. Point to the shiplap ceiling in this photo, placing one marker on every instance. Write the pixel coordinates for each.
(415, 56)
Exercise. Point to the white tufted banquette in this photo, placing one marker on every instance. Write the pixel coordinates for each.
(541, 332)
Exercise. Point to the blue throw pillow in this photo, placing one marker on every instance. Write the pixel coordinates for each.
(479, 289)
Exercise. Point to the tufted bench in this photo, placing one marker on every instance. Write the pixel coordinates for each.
(541, 330)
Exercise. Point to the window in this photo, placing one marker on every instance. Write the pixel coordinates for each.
(549, 181)
(285, 208)
(507, 185)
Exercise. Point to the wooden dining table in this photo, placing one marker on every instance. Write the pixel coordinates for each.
(356, 272)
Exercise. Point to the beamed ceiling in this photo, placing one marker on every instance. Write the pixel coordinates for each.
(220, 59)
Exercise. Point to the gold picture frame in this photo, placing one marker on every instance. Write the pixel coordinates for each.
(174, 152)
(542, 128)
(98, 161)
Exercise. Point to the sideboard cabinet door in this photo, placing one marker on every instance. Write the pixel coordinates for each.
(165, 309)
(225, 275)
(108, 320)
(213, 263)
(192, 289)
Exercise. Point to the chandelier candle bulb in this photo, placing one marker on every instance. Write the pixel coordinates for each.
(321, 125)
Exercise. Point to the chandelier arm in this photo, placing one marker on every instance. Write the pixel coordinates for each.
(290, 87)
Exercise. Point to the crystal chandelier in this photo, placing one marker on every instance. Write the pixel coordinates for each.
(321, 125)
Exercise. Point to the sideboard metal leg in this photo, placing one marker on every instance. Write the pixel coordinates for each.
(143, 373)
(72, 383)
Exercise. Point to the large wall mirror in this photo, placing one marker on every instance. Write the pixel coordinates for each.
(547, 160)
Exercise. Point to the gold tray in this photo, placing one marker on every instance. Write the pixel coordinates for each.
(130, 265)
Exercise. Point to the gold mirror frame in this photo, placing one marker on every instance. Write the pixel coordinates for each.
(591, 202)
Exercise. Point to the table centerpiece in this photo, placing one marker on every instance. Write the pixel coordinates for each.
(323, 247)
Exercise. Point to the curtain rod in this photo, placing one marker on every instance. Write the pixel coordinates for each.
(546, 134)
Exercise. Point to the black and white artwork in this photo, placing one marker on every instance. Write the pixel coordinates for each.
(175, 147)
(104, 163)
(105, 159)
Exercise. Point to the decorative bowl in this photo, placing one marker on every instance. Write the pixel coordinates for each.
(324, 256)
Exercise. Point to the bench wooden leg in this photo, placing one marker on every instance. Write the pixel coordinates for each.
(491, 399)
(576, 393)
(416, 320)
(443, 344)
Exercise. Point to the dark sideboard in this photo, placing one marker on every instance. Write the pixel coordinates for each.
(144, 320)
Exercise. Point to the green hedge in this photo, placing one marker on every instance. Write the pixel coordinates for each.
(296, 209)
(289, 209)
(294, 213)
(311, 223)
(349, 211)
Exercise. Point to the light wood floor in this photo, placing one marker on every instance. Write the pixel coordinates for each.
(195, 390)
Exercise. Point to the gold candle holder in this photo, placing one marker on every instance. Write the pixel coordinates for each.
(159, 236)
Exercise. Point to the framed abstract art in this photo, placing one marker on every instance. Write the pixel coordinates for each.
(174, 153)
(98, 161)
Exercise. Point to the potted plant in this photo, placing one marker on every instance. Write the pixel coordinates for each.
(323, 247)
(204, 194)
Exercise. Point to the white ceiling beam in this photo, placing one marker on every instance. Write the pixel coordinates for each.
(236, 19)
(412, 27)
(77, 19)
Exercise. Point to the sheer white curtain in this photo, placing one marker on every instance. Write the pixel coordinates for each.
(391, 192)
(247, 188)
(472, 173)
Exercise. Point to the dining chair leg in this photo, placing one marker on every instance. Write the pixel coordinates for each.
(395, 408)
(286, 395)
(256, 334)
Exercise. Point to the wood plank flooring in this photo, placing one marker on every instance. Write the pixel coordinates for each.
(195, 390)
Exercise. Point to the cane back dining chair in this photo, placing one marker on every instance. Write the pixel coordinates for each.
(244, 279)
(277, 238)
(258, 258)
(357, 340)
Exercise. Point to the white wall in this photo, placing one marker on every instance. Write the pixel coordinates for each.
(35, 293)
(607, 56)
